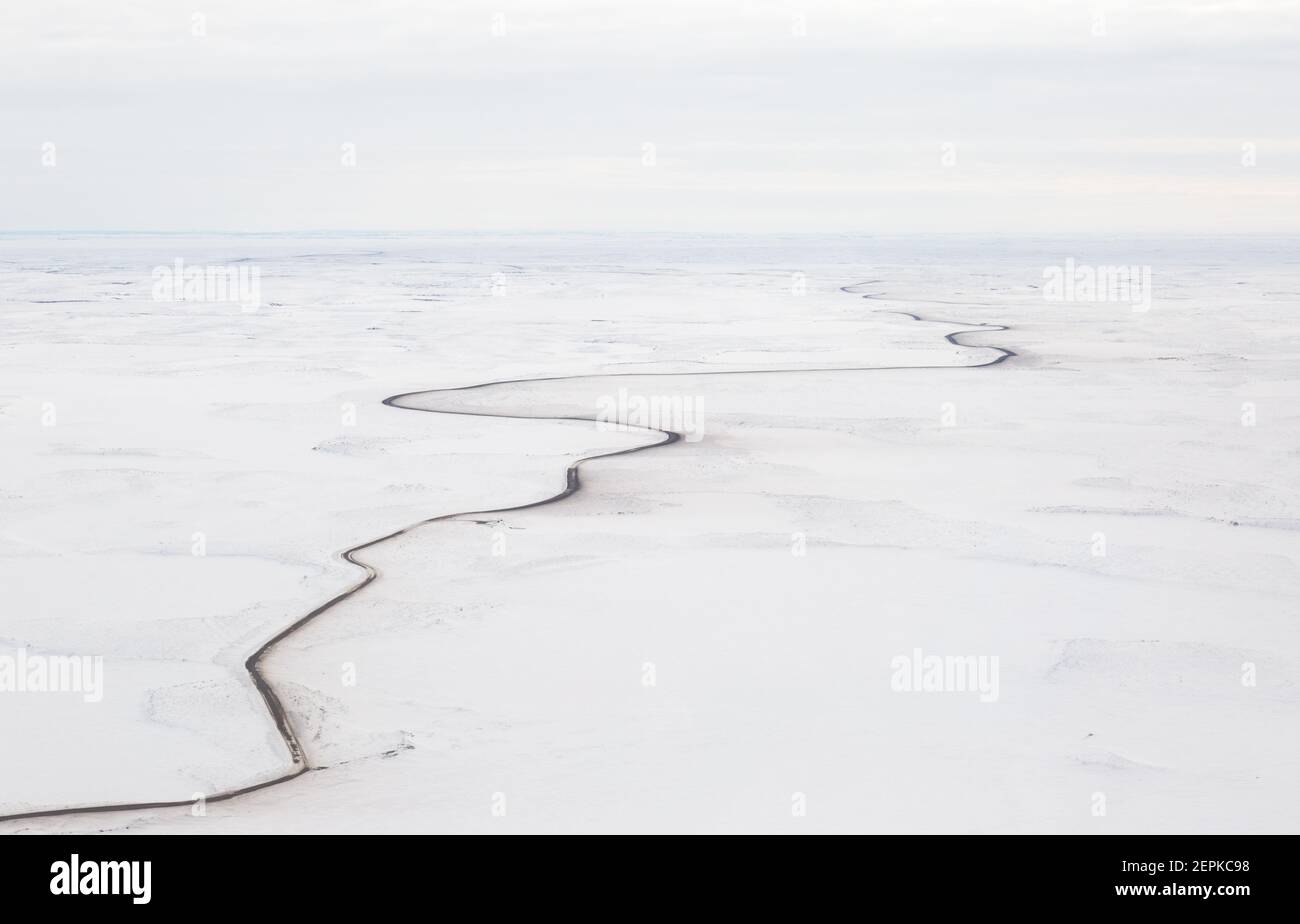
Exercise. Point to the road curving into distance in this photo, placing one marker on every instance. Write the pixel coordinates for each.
(300, 761)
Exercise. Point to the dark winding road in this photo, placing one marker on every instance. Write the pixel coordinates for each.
(300, 761)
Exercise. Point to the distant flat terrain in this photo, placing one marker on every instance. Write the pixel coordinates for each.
(706, 636)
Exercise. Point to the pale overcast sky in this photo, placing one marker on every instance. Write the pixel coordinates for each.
(699, 115)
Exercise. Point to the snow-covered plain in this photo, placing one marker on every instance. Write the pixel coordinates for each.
(703, 638)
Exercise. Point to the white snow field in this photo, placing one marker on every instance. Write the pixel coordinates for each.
(721, 634)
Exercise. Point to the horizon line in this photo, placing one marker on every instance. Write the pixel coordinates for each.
(597, 231)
